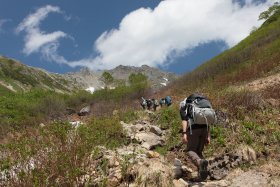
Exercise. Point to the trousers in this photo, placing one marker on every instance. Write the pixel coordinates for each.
(196, 142)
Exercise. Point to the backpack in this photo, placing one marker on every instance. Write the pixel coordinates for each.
(168, 100)
(199, 110)
(156, 102)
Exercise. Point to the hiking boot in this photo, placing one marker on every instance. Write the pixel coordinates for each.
(203, 173)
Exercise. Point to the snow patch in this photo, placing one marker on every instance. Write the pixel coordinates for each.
(90, 89)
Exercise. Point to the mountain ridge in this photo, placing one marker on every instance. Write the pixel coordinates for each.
(16, 77)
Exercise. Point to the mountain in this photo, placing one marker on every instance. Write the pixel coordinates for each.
(156, 77)
(17, 77)
(87, 78)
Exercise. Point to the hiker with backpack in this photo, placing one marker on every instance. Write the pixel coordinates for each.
(161, 102)
(167, 101)
(143, 103)
(197, 114)
(155, 104)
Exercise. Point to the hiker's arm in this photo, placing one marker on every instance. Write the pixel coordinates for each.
(184, 118)
(208, 140)
(184, 127)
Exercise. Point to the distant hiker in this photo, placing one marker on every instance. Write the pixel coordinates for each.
(197, 114)
(155, 104)
(149, 104)
(143, 103)
(168, 101)
(161, 102)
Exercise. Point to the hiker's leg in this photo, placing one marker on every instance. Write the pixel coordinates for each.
(203, 133)
(192, 147)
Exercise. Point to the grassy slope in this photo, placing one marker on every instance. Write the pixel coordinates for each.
(253, 120)
(23, 78)
(256, 56)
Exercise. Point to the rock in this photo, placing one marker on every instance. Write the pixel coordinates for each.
(138, 127)
(147, 146)
(113, 162)
(247, 154)
(156, 130)
(253, 179)
(154, 172)
(42, 125)
(115, 177)
(153, 154)
(85, 111)
(149, 140)
(178, 173)
(177, 162)
(115, 112)
(180, 183)
(187, 169)
(76, 124)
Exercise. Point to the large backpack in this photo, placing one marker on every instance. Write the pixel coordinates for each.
(200, 110)
(168, 100)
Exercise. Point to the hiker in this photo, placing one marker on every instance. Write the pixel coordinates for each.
(167, 101)
(149, 104)
(155, 104)
(195, 128)
(161, 102)
(143, 103)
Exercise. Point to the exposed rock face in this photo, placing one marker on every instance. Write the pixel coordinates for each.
(220, 166)
(86, 78)
(149, 136)
(156, 77)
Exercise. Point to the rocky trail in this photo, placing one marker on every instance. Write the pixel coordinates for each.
(146, 167)
(138, 164)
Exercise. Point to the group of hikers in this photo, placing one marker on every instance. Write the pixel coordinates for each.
(154, 103)
(196, 114)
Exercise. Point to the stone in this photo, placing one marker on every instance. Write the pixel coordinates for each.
(180, 183)
(85, 111)
(153, 154)
(177, 172)
(42, 125)
(156, 130)
(149, 140)
(247, 153)
(138, 127)
(177, 162)
(187, 169)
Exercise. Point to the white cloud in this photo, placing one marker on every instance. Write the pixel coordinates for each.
(35, 39)
(2, 22)
(154, 36)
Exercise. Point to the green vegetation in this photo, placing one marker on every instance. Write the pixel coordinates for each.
(107, 78)
(168, 118)
(24, 78)
(60, 152)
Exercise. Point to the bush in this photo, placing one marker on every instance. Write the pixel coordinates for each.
(59, 155)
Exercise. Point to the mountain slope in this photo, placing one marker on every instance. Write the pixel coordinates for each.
(254, 57)
(17, 77)
(87, 78)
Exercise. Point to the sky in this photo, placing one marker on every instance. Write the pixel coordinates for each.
(173, 35)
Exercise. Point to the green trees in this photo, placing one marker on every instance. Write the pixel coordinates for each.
(107, 78)
(138, 79)
(271, 11)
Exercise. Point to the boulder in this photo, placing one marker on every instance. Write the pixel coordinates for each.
(153, 154)
(85, 111)
(149, 140)
(154, 172)
(156, 130)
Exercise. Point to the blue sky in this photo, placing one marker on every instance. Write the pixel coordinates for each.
(174, 35)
